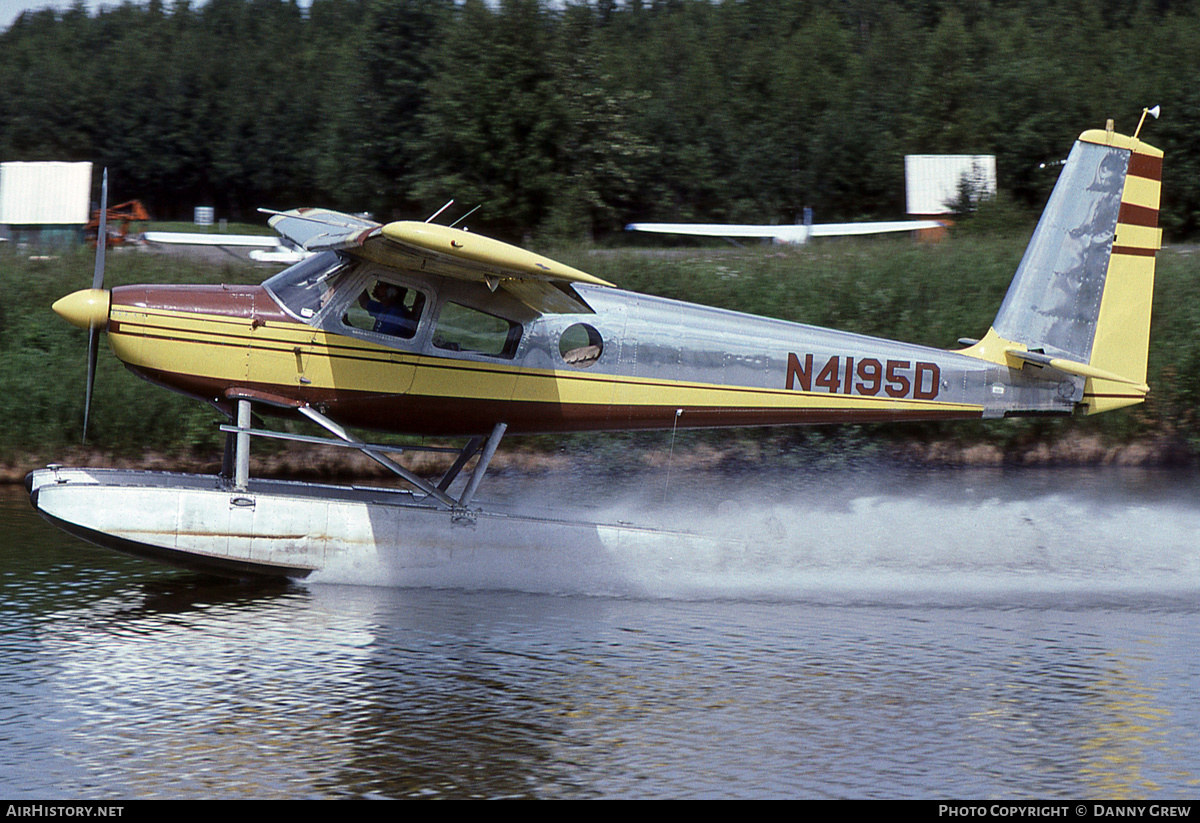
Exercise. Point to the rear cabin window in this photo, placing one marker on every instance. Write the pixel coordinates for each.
(461, 328)
(580, 345)
(386, 308)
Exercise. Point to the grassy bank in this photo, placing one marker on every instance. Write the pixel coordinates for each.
(887, 287)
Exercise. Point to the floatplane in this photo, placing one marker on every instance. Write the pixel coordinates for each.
(425, 329)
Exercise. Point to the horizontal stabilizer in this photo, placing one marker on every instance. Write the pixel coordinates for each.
(1072, 367)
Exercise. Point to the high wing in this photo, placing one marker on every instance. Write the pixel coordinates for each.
(797, 234)
(539, 282)
(266, 249)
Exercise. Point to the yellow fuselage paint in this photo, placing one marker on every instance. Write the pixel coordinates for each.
(292, 357)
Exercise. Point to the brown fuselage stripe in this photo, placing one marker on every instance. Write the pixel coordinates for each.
(249, 302)
(262, 344)
(1135, 215)
(1144, 165)
(1134, 250)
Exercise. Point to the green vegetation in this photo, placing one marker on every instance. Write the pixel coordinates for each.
(191, 228)
(889, 287)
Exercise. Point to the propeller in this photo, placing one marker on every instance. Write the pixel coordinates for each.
(97, 284)
(88, 308)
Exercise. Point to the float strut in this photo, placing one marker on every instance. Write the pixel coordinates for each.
(466, 454)
(489, 449)
(241, 459)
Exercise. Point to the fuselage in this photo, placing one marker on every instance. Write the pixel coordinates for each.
(633, 362)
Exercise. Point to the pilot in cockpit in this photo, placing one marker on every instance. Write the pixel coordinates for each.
(387, 304)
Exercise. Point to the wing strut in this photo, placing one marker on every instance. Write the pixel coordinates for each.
(379, 457)
(489, 449)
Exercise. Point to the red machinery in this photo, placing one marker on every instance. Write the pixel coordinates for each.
(120, 217)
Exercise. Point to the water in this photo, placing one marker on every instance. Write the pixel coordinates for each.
(891, 634)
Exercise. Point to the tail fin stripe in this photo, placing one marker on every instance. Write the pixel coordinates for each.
(1142, 192)
(1141, 237)
(1145, 165)
(1135, 215)
(1134, 250)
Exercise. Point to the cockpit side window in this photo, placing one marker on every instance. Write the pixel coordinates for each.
(386, 308)
(461, 328)
(305, 288)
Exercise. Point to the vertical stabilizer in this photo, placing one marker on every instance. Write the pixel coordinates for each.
(1122, 340)
(1080, 300)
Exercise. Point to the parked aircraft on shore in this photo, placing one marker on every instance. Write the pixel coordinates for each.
(264, 248)
(797, 234)
(425, 329)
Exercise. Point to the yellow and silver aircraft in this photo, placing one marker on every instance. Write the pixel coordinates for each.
(425, 329)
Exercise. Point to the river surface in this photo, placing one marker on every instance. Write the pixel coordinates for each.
(892, 633)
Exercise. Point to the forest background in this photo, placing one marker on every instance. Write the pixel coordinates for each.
(568, 120)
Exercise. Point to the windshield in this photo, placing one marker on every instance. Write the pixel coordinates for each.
(305, 288)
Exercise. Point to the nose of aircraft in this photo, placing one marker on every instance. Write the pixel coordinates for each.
(87, 308)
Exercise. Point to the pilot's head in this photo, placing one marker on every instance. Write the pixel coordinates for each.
(387, 293)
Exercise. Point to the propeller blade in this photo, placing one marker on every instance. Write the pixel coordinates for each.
(93, 336)
(102, 234)
(97, 283)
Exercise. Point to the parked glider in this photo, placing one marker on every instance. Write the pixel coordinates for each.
(425, 329)
(797, 234)
(265, 248)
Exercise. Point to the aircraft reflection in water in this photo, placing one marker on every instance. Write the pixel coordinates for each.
(425, 329)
